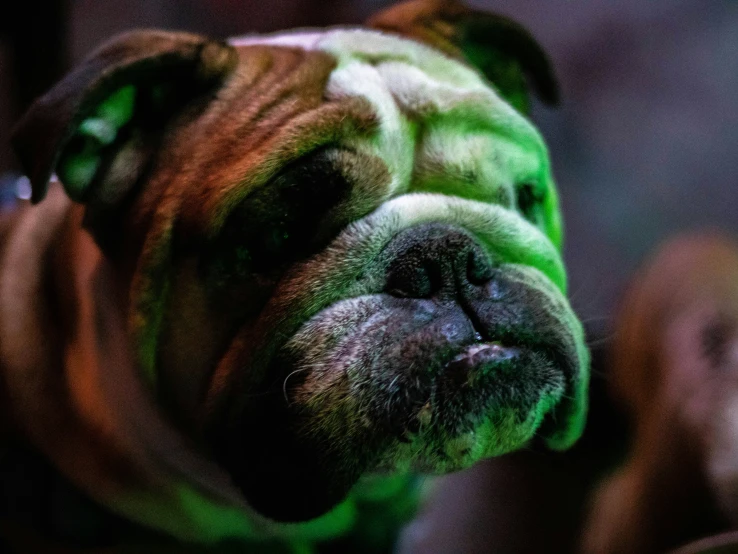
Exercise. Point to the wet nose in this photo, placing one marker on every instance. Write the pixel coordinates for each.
(435, 260)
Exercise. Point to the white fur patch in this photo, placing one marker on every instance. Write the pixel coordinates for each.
(443, 128)
(298, 39)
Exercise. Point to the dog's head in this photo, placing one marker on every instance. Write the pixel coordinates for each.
(340, 247)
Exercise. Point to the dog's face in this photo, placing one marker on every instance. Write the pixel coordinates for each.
(340, 248)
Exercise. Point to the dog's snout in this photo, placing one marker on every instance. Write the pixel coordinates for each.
(435, 259)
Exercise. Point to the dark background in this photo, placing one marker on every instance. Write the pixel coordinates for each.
(644, 145)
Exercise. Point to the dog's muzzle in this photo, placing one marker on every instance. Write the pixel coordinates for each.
(486, 356)
(459, 357)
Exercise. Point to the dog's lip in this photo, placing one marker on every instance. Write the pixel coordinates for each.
(475, 365)
(474, 359)
(479, 351)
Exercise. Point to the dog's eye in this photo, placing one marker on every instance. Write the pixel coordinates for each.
(530, 202)
(282, 221)
(272, 241)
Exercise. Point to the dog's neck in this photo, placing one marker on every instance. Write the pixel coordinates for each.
(64, 330)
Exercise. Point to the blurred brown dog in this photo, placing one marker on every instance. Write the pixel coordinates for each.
(675, 368)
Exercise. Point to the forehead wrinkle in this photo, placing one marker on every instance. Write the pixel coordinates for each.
(207, 148)
(420, 73)
(376, 47)
(421, 79)
(306, 132)
(415, 88)
(256, 126)
(402, 85)
(394, 138)
(306, 39)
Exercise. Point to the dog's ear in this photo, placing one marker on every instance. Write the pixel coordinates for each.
(97, 126)
(501, 49)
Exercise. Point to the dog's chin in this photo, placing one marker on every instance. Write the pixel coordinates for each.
(489, 399)
(483, 400)
(425, 394)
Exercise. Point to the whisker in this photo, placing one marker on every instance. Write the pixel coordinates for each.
(284, 383)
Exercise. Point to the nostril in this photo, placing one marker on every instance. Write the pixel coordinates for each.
(496, 290)
(410, 282)
(478, 268)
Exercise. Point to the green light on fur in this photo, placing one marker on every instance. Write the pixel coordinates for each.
(373, 511)
(82, 157)
(78, 171)
(503, 72)
(377, 488)
(117, 109)
(385, 503)
(98, 128)
(337, 522)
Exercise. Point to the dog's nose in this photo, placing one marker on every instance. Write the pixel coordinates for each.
(433, 260)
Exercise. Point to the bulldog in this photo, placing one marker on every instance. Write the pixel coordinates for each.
(273, 277)
(675, 370)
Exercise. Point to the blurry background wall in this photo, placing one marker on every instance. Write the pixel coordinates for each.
(645, 142)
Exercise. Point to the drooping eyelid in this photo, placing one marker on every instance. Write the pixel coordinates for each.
(295, 204)
(362, 182)
(290, 179)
